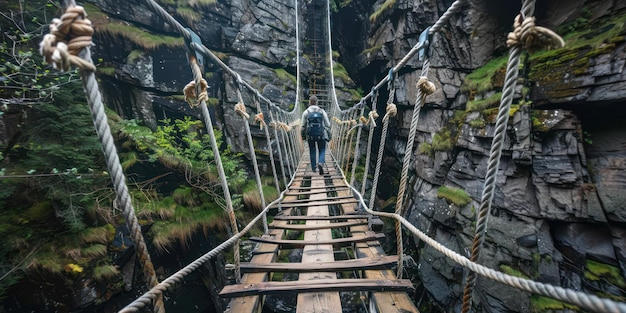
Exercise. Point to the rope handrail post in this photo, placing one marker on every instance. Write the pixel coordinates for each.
(510, 81)
(372, 120)
(240, 108)
(261, 119)
(279, 147)
(81, 57)
(355, 163)
(208, 123)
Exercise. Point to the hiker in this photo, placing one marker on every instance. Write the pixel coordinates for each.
(316, 130)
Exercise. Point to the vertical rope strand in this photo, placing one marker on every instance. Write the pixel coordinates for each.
(512, 72)
(356, 149)
(208, 123)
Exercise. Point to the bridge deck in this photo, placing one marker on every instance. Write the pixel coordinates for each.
(342, 261)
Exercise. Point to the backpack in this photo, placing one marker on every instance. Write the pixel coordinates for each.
(315, 126)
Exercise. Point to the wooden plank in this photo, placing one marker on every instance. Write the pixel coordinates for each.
(302, 193)
(314, 217)
(318, 285)
(330, 188)
(380, 262)
(302, 227)
(388, 302)
(337, 243)
(319, 252)
(308, 204)
(313, 201)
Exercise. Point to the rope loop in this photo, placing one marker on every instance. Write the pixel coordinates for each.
(284, 126)
(425, 86)
(240, 108)
(190, 93)
(392, 110)
(525, 33)
(372, 117)
(260, 119)
(67, 37)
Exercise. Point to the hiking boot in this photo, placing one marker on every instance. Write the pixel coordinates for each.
(321, 169)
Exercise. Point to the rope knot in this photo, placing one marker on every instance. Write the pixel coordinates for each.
(425, 86)
(526, 33)
(363, 120)
(190, 93)
(259, 118)
(67, 37)
(284, 126)
(392, 110)
(373, 116)
(240, 108)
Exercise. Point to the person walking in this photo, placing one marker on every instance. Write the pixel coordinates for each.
(316, 131)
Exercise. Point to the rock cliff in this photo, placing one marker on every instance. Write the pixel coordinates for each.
(558, 215)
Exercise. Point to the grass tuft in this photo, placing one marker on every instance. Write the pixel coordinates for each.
(454, 195)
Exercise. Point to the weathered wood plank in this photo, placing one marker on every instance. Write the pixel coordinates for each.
(388, 302)
(302, 193)
(326, 301)
(317, 285)
(308, 204)
(302, 227)
(337, 243)
(380, 262)
(319, 199)
(313, 217)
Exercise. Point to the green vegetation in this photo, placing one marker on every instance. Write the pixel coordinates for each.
(488, 77)
(545, 304)
(340, 72)
(482, 104)
(454, 195)
(284, 75)
(386, 6)
(601, 271)
(509, 270)
(141, 37)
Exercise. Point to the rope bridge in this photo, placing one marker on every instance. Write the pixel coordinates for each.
(68, 45)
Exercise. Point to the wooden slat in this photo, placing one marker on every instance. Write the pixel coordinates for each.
(388, 302)
(318, 285)
(337, 243)
(380, 262)
(307, 204)
(314, 201)
(313, 217)
(302, 193)
(318, 301)
(302, 227)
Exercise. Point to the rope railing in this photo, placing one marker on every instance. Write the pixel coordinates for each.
(571, 296)
(177, 277)
(74, 25)
(293, 147)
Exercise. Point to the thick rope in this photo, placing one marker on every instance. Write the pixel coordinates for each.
(391, 112)
(372, 120)
(208, 123)
(260, 118)
(532, 37)
(68, 27)
(275, 126)
(578, 298)
(512, 72)
(424, 88)
(240, 108)
(355, 163)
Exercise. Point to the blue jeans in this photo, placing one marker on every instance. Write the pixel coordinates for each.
(320, 147)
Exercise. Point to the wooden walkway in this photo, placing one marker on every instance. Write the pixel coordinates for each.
(342, 266)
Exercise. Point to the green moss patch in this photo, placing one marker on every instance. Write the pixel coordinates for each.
(454, 195)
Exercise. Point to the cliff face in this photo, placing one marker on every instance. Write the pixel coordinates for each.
(558, 213)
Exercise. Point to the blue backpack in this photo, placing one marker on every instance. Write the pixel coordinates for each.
(315, 126)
